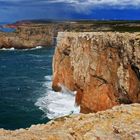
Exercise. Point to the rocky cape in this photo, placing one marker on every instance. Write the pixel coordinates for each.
(120, 123)
(29, 34)
(103, 67)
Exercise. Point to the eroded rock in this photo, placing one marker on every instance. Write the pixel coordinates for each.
(102, 66)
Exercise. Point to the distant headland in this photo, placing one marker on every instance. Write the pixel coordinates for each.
(31, 33)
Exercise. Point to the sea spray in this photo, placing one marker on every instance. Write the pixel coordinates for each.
(57, 104)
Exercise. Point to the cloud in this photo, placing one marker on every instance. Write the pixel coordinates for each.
(98, 2)
(78, 5)
(16, 9)
(88, 5)
(92, 3)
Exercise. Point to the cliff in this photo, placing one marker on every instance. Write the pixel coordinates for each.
(103, 67)
(29, 34)
(120, 123)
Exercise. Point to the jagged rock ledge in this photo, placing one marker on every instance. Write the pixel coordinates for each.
(120, 123)
(103, 67)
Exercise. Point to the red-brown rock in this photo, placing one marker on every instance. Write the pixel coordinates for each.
(103, 67)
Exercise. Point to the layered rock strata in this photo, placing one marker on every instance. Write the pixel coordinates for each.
(120, 123)
(103, 67)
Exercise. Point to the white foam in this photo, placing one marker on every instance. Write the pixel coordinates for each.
(12, 49)
(37, 47)
(57, 104)
(7, 49)
(48, 78)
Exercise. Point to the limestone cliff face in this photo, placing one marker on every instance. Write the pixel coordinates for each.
(120, 123)
(103, 67)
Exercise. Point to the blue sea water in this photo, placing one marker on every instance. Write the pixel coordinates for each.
(22, 74)
(26, 96)
(6, 29)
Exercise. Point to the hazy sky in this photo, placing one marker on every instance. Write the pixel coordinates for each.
(12, 10)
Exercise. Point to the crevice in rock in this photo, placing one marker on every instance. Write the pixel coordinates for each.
(101, 79)
(66, 51)
(132, 42)
(123, 98)
(121, 52)
(133, 51)
(136, 70)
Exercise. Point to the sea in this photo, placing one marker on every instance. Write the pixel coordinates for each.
(4, 29)
(26, 95)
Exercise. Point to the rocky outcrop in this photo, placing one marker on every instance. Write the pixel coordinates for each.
(29, 34)
(120, 123)
(27, 37)
(13, 41)
(104, 68)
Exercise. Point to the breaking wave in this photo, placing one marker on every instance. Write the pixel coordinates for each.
(12, 49)
(57, 104)
(37, 47)
(7, 49)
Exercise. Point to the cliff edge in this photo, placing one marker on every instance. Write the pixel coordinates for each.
(103, 67)
(120, 123)
(32, 33)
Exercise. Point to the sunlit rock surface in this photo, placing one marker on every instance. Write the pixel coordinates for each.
(31, 33)
(120, 123)
(103, 67)
(26, 37)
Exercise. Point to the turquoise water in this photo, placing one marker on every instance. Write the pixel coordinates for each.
(22, 75)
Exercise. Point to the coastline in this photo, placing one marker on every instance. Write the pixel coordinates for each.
(29, 34)
(121, 122)
(103, 69)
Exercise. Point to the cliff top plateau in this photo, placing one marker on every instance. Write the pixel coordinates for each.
(120, 123)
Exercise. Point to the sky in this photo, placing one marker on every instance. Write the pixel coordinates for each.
(14, 10)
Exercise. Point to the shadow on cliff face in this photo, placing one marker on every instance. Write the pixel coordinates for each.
(136, 70)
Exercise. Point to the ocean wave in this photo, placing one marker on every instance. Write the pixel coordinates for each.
(12, 49)
(37, 47)
(57, 104)
(7, 49)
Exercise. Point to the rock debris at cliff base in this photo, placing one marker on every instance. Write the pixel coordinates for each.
(120, 123)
